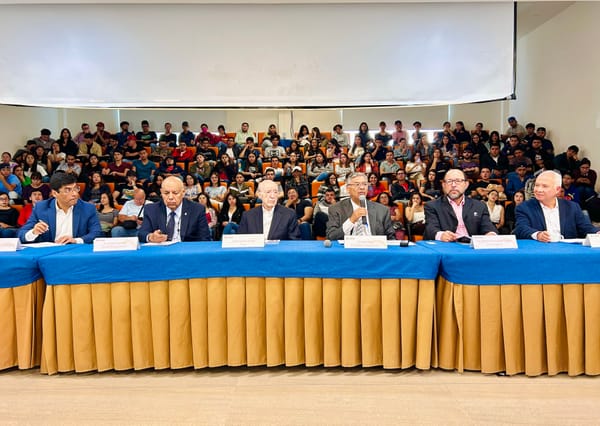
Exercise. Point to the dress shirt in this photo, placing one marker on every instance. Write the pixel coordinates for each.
(552, 218)
(461, 229)
(177, 219)
(350, 228)
(64, 226)
(267, 219)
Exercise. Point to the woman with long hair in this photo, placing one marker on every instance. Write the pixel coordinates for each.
(430, 188)
(230, 215)
(313, 149)
(95, 188)
(495, 210)
(385, 199)
(357, 150)
(215, 191)
(191, 187)
(108, 215)
(367, 164)
(343, 167)
(415, 214)
(509, 214)
(31, 165)
(375, 186)
(211, 215)
(319, 169)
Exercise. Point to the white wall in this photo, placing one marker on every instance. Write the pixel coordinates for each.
(558, 79)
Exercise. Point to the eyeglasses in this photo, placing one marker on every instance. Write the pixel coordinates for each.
(174, 193)
(360, 185)
(69, 189)
(454, 181)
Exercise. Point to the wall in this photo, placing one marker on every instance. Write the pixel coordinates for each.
(558, 84)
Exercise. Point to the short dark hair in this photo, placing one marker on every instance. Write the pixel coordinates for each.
(124, 123)
(88, 136)
(145, 123)
(398, 122)
(543, 129)
(58, 180)
(573, 148)
(417, 122)
(45, 132)
(530, 126)
(36, 175)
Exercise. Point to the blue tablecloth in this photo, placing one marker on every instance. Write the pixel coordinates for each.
(21, 267)
(532, 263)
(300, 259)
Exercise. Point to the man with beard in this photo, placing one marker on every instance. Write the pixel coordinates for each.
(454, 217)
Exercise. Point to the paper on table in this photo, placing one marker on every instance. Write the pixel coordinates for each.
(164, 243)
(42, 245)
(572, 240)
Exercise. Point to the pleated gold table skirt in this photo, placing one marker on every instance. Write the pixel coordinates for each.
(21, 325)
(531, 329)
(239, 321)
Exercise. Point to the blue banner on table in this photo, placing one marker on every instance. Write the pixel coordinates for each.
(532, 263)
(300, 259)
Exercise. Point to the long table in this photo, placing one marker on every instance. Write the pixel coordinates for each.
(534, 310)
(21, 296)
(197, 305)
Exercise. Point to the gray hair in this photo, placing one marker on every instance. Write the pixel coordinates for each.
(556, 177)
(354, 175)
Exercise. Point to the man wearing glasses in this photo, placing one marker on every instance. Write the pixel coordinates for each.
(455, 217)
(63, 219)
(174, 218)
(358, 216)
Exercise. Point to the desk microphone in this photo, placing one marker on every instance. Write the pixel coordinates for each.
(363, 204)
(327, 243)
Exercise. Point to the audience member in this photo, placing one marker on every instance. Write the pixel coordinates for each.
(32, 200)
(568, 160)
(108, 215)
(131, 215)
(229, 216)
(395, 214)
(304, 212)
(321, 213)
(145, 137)
(8, 217)
(415, 215)
(402, 188)
(9, 183)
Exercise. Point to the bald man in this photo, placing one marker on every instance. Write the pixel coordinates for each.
(273, 220)
(174, 218)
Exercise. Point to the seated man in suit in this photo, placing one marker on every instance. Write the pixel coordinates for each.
(174, 218)
(63, 219)
(453, 216)
(548, 218)
(275, 221)
(346, 217)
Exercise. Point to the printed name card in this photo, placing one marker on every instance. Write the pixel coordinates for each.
(592, 240)
(243, 241)
(10, 244)
(482, 242)
(365, 242)
(116, 244)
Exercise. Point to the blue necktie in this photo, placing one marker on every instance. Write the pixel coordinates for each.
(171, 226)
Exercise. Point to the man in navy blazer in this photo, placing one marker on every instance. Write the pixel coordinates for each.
(174, 218)
(441, 220)
(545, 217)
(281, 221)
(63, 219)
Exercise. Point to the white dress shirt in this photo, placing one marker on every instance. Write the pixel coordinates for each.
(267, 220)
(64, 226)
(350, 228)
(552, 218)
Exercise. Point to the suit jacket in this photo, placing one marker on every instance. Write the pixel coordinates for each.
(439, 216)
(529, 218)
(193, 227)
(284, 225)
(85, 221)
(379, 219)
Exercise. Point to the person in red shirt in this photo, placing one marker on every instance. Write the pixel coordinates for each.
(35, 196)
(183, 153)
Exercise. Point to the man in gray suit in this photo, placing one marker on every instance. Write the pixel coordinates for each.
(346, 217)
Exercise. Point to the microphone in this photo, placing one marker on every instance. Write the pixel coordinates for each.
(327, 243)
(363, 204)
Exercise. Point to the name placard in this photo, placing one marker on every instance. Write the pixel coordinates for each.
(10, 244)
(116, 244)
(483, 242)
(243, 241)
(592, 240)
(365, 242)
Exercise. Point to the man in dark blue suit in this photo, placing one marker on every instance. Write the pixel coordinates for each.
(547, 218)
(63, 219)
(174, 218)
(279, 222)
